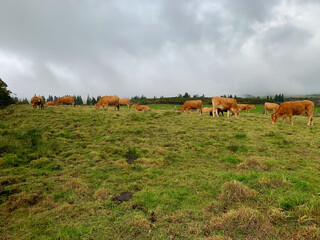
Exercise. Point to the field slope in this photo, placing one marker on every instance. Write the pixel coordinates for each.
(77, 173)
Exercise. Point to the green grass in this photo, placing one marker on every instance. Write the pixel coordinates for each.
(192, 176)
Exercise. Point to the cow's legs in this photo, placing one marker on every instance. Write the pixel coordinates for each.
(215, 111)
(310, 120)
(284, 119)
(228, 113)
(291, 120)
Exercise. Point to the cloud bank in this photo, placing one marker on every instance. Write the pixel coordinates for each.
(160, 48)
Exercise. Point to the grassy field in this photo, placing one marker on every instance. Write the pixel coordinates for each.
(77, 173)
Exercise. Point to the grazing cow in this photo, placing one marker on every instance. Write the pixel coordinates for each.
(270, 107)
(106, 101)
(37, 101)
(228, 104)
(124, 101)
(246, 107)
(64, 100)
(141, 107)
(288, 109)
(51, 103)
(191, 104)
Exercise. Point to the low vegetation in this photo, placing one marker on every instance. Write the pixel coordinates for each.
(76, 173)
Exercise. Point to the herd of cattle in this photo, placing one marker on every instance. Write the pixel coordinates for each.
(219, 105)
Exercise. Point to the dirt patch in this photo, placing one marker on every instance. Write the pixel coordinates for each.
(7, 193)
(123, 197)
(132, 155)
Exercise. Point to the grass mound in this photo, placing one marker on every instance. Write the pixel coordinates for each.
(235, 191)
(242, 220)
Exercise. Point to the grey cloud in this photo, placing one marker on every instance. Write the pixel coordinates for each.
(158, 47)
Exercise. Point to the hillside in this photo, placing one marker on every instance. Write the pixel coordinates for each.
(77, 173)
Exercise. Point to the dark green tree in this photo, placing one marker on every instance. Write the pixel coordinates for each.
(5, 98)
(89, 100)
(186, 95)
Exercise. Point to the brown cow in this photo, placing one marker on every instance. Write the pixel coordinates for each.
(124, 101)
(246, 107)
(141, 107)
(228, 104)
(68, 99)
(51, 103)
(37, 101)
(270, 107)
(191, 104)
(288, 109)
(106, 101)
(207, 109)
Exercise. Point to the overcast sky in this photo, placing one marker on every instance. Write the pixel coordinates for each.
(160, 47)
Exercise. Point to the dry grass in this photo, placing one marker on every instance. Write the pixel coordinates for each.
(235, 191)
(247, 220)
(307, 233)
(254, 164)
(21, 200)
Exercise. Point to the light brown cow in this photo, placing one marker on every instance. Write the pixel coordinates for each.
(141, 107)
(67, 99)
(191, 104)
(207, 109)
(270, 107)
(51, 103)
(288, 109)
(37, 101)
(124, 101)
(106, 101)
(246, 107)
(228, 104)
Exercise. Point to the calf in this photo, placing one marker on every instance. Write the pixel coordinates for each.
(246, 107)
(141, 107)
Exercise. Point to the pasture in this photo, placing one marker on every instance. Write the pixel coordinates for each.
(76, 173)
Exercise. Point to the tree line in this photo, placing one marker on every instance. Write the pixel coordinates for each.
(6, 99)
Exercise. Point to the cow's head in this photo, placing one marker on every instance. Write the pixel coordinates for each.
(274, 117)
(96, 106)
(235, 111)
(181, 109)
(253, 106)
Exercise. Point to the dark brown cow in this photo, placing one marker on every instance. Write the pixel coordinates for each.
(228, 104)
(191, 104)
(141, 107)
(37, 101)
(246, 107)
(106, 101)
(270, 107)
(124, 102)
(288, 109)
(64, 100)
